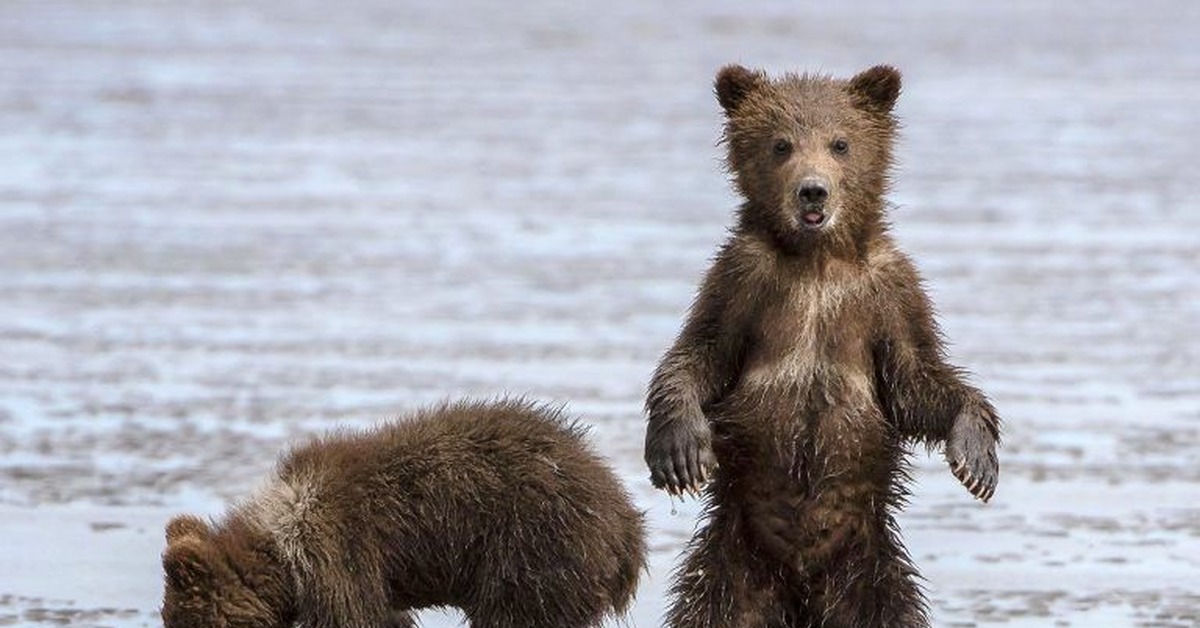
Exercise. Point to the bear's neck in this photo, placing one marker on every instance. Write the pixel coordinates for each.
(253, 552)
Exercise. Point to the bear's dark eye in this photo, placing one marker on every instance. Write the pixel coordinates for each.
(782, 148)
(840, 146)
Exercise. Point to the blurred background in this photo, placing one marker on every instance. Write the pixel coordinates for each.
(228, 224)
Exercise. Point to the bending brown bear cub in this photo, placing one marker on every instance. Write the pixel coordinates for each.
(501, 510)
(808, 361)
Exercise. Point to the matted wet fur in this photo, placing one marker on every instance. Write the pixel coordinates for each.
(808, 362)
(499, 509)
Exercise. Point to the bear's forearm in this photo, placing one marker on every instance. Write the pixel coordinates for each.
(678, 447)
(925, 396)
(934, 400)
(695, 370)
(678, 390)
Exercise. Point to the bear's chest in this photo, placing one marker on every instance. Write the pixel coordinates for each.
(815, 333)
(807, 388)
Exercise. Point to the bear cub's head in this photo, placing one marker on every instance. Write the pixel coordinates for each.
(227, 579)
(810, 154)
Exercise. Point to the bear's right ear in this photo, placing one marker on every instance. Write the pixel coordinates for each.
(734, 83)
(185, 526)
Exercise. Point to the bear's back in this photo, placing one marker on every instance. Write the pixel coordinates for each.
(451, 497)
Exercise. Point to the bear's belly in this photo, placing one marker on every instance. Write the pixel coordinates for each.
(811, 466)
(814, 444)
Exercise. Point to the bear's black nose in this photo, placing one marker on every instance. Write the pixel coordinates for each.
(812, 192)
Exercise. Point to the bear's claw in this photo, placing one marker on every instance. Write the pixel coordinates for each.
(971, 453)
(981, 488)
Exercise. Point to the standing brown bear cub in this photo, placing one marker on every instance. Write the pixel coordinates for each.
(809, 360)
(501, 510)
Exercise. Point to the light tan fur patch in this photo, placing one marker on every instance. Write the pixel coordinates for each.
(286, 509)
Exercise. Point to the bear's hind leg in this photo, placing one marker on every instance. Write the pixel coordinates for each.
(872, 592)
(723, 584)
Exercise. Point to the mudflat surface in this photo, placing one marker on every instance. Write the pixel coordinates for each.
(228, 224)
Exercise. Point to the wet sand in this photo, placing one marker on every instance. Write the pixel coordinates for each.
(225, 225)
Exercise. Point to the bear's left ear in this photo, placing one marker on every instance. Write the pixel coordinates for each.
(185, 526)
(876, 89)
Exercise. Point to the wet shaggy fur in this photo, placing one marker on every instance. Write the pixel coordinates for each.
(809, 362)
(501, 510)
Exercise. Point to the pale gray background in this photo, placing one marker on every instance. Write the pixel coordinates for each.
(224, 224)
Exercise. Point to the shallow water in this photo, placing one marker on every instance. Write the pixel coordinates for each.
(227, 224)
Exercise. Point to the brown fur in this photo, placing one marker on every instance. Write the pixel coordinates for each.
(501, 510)
(809, 359)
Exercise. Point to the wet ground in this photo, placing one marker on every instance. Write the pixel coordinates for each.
(227, 224)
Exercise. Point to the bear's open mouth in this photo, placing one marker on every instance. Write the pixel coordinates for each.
(813, 218)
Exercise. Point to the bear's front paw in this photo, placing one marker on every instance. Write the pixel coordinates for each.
(680, 455)
(971, 453)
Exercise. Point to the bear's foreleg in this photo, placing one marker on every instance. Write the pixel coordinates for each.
(402, 619)
(694, 373)
(928, 399)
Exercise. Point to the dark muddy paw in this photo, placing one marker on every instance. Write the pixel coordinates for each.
(971, 453)
(680, 456)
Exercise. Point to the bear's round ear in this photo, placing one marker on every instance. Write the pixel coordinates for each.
(734, 83)
(185, 526)
(876, 89)
(188, 563)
